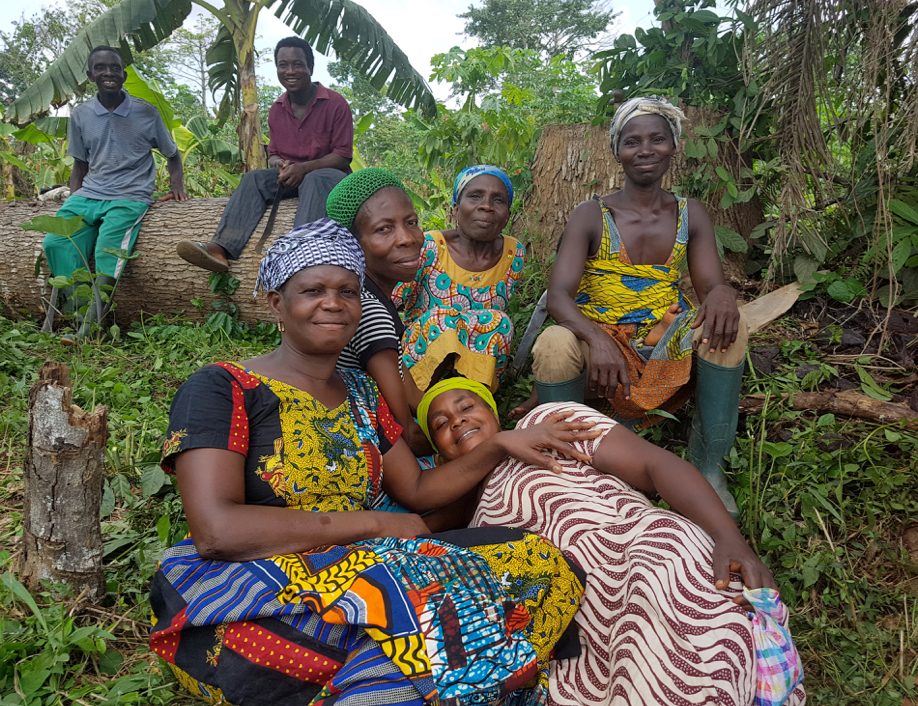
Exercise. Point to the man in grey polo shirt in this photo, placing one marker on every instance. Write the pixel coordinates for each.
(110, 139)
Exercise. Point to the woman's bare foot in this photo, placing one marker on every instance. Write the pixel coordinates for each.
(656, 333)
(521, 410)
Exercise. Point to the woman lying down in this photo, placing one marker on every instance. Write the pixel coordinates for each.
(665, 618)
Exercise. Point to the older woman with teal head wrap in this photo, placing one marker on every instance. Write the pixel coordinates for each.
(458, 300)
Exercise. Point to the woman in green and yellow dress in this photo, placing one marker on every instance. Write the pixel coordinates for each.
(289, 590)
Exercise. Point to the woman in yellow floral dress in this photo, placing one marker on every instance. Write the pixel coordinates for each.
(289, 590)
(457, 303)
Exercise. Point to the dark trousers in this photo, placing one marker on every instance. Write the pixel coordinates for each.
(256, 192)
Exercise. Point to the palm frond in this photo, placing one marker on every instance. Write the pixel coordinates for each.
(223, 72)
(359, 39)
(131, 24)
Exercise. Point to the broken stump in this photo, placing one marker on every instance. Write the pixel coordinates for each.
(64, 470)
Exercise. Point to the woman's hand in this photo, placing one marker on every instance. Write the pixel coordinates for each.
(534, 444)
(608, 369)
(733, 555)
(720, 317)
(400, 524)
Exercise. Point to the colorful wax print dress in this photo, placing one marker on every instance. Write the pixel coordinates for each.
(653, 628)
(466, 617)
(627, 300)
(449, 309)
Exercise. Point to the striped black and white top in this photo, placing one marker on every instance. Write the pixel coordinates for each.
(380, 329)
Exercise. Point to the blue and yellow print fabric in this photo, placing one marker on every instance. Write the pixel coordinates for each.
(614, 291)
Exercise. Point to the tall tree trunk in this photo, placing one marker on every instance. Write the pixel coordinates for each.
(250, 138)
(62, 536)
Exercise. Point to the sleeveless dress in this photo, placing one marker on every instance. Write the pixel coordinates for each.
(466, 617)
(449, 309)
(627, 300)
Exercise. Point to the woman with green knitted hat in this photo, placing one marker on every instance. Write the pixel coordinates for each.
(373, 205)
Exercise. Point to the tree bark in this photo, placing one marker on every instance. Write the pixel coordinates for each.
(158, 281)
(62, 535)
(848, 403)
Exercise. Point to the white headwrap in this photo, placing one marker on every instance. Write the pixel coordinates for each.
(322, 242)
(645, 105)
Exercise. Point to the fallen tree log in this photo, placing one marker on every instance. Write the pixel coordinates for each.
(158, 281)
(848, 403)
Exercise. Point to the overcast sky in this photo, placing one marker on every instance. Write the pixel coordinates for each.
(422, 28)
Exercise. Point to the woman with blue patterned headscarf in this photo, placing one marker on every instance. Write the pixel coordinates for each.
(457, 303)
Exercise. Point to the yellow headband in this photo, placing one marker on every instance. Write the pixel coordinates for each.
(457, 383)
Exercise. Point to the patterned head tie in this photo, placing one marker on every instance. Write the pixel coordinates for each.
(453, 383)
(349, 194)
(469, 173)
(645, 105)
(322, 242)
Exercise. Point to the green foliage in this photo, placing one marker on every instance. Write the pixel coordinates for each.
(43, 647)
(30, 46)
(826, 500)
(507, 96)
(549, 27)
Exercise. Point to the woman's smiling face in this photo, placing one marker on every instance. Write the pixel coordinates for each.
(390, 235)
(459, 420)
(319, 308)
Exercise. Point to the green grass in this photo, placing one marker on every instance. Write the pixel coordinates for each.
(826, 501)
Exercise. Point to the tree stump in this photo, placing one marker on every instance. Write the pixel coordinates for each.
(62, 534)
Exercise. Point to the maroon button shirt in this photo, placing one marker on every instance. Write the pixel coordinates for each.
(327, 128)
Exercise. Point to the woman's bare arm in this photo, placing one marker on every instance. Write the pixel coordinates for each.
(224, 527)
(650, 469)
(435, 488)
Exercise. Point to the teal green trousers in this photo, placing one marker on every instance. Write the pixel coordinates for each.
(109, 225)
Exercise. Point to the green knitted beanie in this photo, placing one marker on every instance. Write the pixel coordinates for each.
(350, 193)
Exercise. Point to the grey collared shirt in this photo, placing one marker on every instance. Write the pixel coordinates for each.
(117, 146)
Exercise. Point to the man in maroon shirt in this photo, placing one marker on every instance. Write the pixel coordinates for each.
(311, 133)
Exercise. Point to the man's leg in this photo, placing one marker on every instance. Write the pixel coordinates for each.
(243, 211)
(313, 191)
(120, 223)
(559, 363)
(118, 231)
(66, 254)
(719, 377)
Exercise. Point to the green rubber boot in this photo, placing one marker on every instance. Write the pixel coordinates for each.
(567, 391)
(717, 393)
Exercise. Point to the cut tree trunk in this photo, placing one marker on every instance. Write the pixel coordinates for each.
(158, 281)
(62, 535)
(573, 162)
